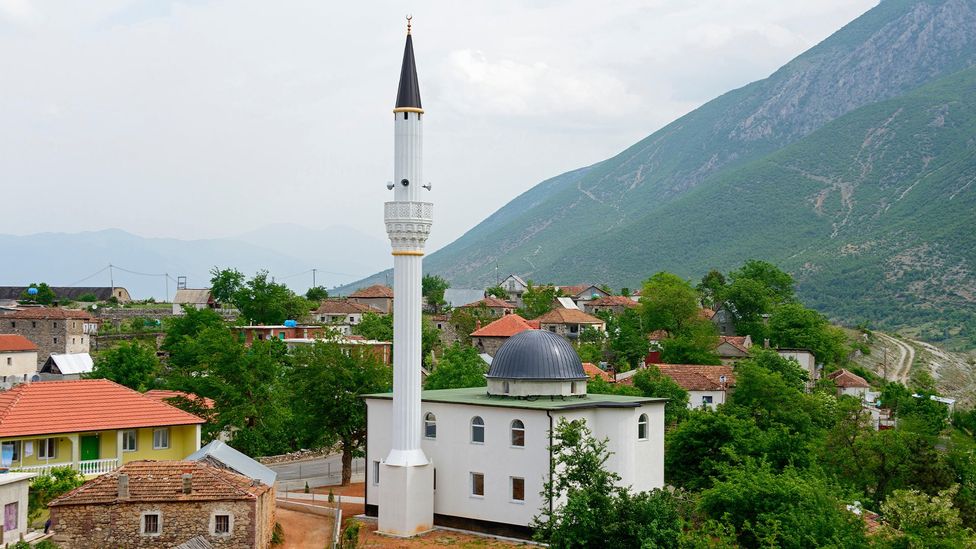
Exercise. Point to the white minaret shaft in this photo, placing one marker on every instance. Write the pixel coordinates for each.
(406, 479)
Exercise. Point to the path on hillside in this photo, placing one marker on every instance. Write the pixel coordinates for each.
(906, 357)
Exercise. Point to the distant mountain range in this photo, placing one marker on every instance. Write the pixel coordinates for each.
(288, 252)
(853, 166)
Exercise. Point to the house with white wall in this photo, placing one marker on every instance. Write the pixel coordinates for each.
(18, 360)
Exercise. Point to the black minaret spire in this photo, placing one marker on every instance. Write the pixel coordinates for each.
(408, 94)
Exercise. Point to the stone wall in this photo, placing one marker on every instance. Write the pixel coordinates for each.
(488, 345)
(51, 336)
(119, 525)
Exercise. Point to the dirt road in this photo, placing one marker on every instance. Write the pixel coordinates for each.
(303, 530)
(901, 367)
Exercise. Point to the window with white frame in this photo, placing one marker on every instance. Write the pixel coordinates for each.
(642, 427)
(478, 484)
(518, 489)
(477, 430)
(518, 433)
(430, 425)
(130, 440)
(151, 524)
(706, 399)
(47, 448)
(161, 438)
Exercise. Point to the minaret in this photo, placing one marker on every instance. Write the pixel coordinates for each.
(406, 504)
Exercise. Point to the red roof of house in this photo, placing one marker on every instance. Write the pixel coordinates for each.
(162, 481)
(568, 316)
(48, 313)
(613, 300)
(706, 313)
(594, 371)
(699, 377)
(575, 290)
(344, 306)
(739, 342)
(658, 335)
(53, 407)
(506, 326)
(163, 395)
(374, 291)
(491, 302)
(13, 343)
(845, 378)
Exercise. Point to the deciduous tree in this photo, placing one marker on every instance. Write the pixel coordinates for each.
(460, 366)
(129, 363)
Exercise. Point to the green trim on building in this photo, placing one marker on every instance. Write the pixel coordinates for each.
(478, 396)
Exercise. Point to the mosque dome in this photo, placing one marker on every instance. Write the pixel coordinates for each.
(536, 363)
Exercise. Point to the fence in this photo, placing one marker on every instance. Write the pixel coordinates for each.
(318, 475)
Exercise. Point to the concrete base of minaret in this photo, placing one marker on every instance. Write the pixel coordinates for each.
(406, 506)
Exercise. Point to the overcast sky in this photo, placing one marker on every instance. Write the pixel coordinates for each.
(198, 119)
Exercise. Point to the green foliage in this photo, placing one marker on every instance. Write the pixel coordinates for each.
(460, 366)
(668, 302)
(375, 326)
(465, 320)
(794, 326)
(260, 300)
(45, 488)
(914, 519)
(711, 287)
(771, 361)
(703, 445)
(432, 288)
(695, 344)
(317, 294)
(88, 298)
(496, 291)
(350, 534)
(129, 363)
(538, 300)
(45, 295)
(652, 383)
(628, 342)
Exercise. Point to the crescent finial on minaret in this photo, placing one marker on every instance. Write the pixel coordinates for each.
(409, 17)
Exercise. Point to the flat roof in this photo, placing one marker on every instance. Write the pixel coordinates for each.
(478, 396)
(11, 477)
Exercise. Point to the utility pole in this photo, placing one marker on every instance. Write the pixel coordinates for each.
(313, 277)
(111, 277)
(166, 276)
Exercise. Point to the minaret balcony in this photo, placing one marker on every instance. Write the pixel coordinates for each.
(408, 212)
(408, 224)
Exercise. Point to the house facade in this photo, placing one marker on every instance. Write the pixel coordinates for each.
(92, 425)
(515, 287)
(733, 348)
(615, 304)
(723, 321)
(18, 360)
(377, 296)
(495, 307)
(569, 322)
(13, 498)
(194, 298)
(707, 386)
(249, 334)
(582, 294)
(163, 504)
(342, 314)
(52, 329)
(489, 338)
(806, 359)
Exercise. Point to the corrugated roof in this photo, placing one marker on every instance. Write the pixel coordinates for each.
(374, 291)
(506, 326)
(73, 363)
(231, 458)
(537, 355)
(192, 297)
(568, 316)
(13, 343)
(56, 407)
(162, 481)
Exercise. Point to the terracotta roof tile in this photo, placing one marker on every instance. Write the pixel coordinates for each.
(343, 306)
(847, 379)
(491, 302)
(374, 291)
(708, 377)
(613, 300)
(53, 407)
(658, 335)
(739, 342)
(568, 316)
(506, 326)
(11, 343)
(48, 313)
(158, 481)
(163, 395)
(595, 371)
(575, 290)
(706, 313)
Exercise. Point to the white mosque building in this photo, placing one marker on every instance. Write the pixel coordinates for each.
(478, 458)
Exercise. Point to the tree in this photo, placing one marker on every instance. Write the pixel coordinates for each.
(702, 446)
(45, 488)
(328, 385)
(914, 519)
(628, 341)
(710, 288)
(771, 361)
(496, 291)
(694, 344)
(432, 288)
(755, 290)
(466, 319)
(317, 294)
(794, 326)
(668, 302)
(259, 300)
(225, 283)
(460, 366)
(45, 295)
(375, 326)
(129, 363)
(538, 300)
(652, 383)
(778, 283)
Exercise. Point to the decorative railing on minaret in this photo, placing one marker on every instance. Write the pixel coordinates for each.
(406, 476)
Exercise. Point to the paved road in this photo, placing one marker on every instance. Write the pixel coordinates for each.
(325, 471)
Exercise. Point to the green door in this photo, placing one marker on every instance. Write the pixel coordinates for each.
(89, 447)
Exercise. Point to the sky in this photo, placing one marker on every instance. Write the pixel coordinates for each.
(204, 119)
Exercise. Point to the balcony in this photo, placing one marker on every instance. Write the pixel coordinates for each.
(89, 468)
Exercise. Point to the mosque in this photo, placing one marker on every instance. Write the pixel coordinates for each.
(478, 458)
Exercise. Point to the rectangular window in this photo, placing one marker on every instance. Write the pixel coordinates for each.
(150, 523)
(707, 399)
(161, 438)
(55, 341)
(518, 489)
(222, 524)
(13, 323)
(55, 324)
(72, 341)
(478, 484)
(12, 449)
(10, 361)
(47, 448)
(376, 473)
(129, 440)
(10, 514)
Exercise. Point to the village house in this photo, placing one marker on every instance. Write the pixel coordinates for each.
(194, 298)
(595, 372)
(92, 425)
(806, 360)
(583, 293)
(448, 332)
(289, 330)
(377, 296)
(13, 498)
(59, 367)
(615, 304)
(515, 287)
(569, 322)
(342, 314)
(495, 307)
(52, 329)
(707, 386)
(164, 503)
(18, 360)
(72, 293)
(851, 384)
(488, 339)
(723, 321)
(733, 348)
(381, 350)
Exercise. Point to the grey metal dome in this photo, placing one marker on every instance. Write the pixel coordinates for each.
(537, 355)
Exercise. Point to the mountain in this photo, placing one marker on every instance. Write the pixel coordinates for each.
(803, 168)
(288, 252)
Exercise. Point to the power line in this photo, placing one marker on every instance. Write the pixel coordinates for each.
(100, 271)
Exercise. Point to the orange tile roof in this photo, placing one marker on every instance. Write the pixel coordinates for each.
(491, 302)
(575, 290)
(374, 291)
(12, 343)
(568, 316)
(48, 313)
(162, 481)
(506, 326)
(658, 335)
(595, 371)
(739, 342)
(688, 373)
(847, 379)
(55, 407)
(343, 306)
(706, 313)
(164, 395)
(613, 300)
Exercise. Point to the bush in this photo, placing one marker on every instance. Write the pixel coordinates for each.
(350, 535)
(45, 488)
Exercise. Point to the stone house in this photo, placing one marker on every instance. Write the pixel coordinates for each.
(488, 339)
(73, 293)
(448, 332)
(342, 314)
(163, 504)
(850, 384)
(723, 321)
(18, 360)
(494, 307)
(52, 329)
(377, 296)
(569, 322)
(615, 304)
(732, 348)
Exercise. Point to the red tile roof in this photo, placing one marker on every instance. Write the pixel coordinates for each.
(506, 326)
(491, 302)
(48, 313)
(706, 313)
(374, 291)
(163, 395)
(54, 407)
(613, 300)
(568, 316)
(847, 379)
(573, 291)
(699, 377)
(162, 481)
(12, 343)
(739, 342)
(658, 335)
(343, 306)
(595, 371)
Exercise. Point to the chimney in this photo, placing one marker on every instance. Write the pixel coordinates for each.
(123, 486)
(187, 483)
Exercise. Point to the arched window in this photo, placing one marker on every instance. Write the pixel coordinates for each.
(642, 427)
(430, 425)
(477, 430)
(518, 433)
